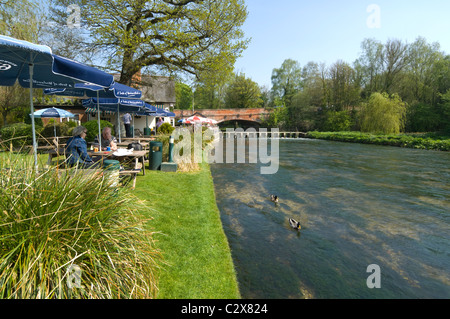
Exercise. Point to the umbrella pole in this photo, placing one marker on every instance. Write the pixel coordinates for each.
(99, 127)
(31, 68)
(133, 125)
(118, 122)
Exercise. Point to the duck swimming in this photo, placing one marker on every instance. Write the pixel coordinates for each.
(274, 198)
(294, 224)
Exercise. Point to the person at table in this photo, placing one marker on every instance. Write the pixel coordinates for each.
(76, 149)
(107, 140)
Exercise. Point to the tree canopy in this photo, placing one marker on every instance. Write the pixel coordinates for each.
(189, 36)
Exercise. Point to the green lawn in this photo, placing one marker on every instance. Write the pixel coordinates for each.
(190, 235)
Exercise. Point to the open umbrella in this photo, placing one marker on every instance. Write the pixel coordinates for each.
(116, 90)
(53, 112)
(35, 66)
(117, 105)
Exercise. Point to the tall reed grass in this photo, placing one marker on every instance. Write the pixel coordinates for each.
(72, 235)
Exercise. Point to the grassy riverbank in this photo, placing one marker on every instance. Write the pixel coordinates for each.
(189, 235)
(419, 141)
(182, 223)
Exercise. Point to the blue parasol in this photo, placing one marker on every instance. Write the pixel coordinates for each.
(53, 112)
(35, 66)
(85, 90)
(118, 105)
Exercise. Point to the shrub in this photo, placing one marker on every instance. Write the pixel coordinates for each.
(337, 121)
(61, 130)
(166, 128)
(92, 128)
(383, 114)
(19, 134)
(54, 224)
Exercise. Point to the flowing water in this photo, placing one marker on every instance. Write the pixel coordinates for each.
(358, 205)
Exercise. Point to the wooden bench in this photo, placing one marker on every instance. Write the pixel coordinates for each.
(132, 173)
(89, 172)
(55, 153)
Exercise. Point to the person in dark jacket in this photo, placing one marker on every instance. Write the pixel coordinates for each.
(76, 150)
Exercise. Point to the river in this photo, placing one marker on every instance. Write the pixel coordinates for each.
(358, 205)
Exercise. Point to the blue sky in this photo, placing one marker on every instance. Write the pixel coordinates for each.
(326, 31)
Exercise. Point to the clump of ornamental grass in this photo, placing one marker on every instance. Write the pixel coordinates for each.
(72, 234)
(187, 163)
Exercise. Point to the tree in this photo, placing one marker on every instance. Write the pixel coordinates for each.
(383, 114)
(184, 96)
(421, 84)
(369, 66)
(286, 81)
(344, 89)
(444, 123)
(276, 119)
(243, 93)
(379, 65)
(337, 121)
(395, 60)
(19, 19)
(301, 115)
(188, 36)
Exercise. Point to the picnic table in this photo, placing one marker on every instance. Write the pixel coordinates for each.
(138, 139)
(130, 159)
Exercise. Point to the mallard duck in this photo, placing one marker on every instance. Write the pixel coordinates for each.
(274, 198)
(294, 224)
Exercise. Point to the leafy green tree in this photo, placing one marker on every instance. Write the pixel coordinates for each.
(286, 81)
(243, 93)
(312, 84)
(343, 86)
(369, 66)
(395, 60)
(383, 114)
(209, 96)
(18, 19)
(337, 121)
(276, 119)
(184, 96)
(420, 80)
(422, 117)
(210, 89)
(445, 112)
(301, 114)
(187, 36)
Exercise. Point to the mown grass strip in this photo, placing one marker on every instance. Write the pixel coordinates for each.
(190, 235)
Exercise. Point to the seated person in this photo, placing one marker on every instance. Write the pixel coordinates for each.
(107, 140)
(76, 149)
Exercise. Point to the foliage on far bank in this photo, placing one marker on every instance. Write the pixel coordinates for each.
(417, 141)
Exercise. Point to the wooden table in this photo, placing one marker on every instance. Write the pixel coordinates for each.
(137, 156)
(138, 139)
